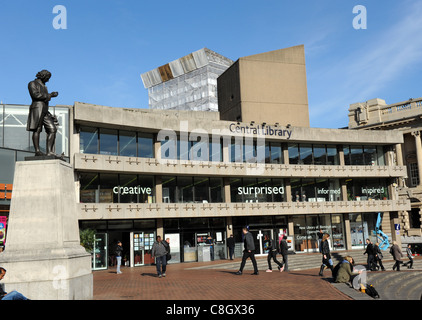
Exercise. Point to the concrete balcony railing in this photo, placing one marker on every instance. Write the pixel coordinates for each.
(104, 163)
(104, 211)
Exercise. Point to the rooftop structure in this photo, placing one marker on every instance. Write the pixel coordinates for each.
(188, 83)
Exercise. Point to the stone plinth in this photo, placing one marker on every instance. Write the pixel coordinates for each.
(43, 256)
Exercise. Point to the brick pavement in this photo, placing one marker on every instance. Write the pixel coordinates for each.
(182, 283)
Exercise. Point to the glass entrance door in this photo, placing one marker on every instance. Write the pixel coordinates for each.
(138, 249)
(99, 256)
(141, 248)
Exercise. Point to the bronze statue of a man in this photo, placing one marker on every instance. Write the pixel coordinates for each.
(39, 115)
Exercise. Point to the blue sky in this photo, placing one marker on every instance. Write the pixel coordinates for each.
(108, 44)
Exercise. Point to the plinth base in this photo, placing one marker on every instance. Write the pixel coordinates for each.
(43, 256)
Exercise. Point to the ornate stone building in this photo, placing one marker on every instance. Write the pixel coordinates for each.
(405, 117)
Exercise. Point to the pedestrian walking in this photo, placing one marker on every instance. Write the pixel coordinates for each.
(248, 252)
(210, 241)
(326, 256)
(119, 251)
(378, 257)
(272, 248)
(166, 244)
(409, 264)
(284, 250)
(231, 245)
(371, 255)
(159, 252)
(12, 295)
(397, 254)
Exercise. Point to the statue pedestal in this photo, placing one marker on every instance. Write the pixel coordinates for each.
(43, 256)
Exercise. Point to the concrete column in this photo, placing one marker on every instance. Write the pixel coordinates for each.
(341, 155)
(417, 136)
(399, 154)
(290, 226)
(227, 195)
(157, 149)
(158, 189)
(160, 228)
(348, 236)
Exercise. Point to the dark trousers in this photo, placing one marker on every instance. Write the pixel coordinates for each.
(286, 265)
(247, 255)
(231, 252)
(371, 263)
(379, 261)
(409, 264)
(161, 263)
(397, 265)
(272, 255)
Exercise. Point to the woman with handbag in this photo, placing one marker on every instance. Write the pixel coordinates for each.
(326, 257)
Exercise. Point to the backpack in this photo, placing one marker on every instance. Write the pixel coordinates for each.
(371, 291)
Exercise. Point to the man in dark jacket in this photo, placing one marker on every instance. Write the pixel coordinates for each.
(284, 250)
(231, 245)
(370, 251)
(249, 252)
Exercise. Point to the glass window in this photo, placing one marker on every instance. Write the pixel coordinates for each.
(320, 155)
(15, 134)
(201, 186)
(169, 189)
(346, 151)
(236, 190)
(265, 190)
(145, 145)
(301, 238)
(216, 150)
(293, 153)
(236, 149)
(267, 153)
(128, 189)
(296, 187)
(147, 189)
(108, 141)
(305, 152)
(332, 156)
(337, 227)
(358, 230)
(380, 156)
(276, 153)
(369, 155)
(88, 140)
(356, 155)
(322, 190)
(308, 189)
(278, 191)
(185, 188)
(127, 144)
(1, 124)
(7, 165)
(89, 188)
(216, 189)
(107, 183)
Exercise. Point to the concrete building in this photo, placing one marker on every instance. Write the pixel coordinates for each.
(403, 117)
(187, 83)
(187, 175)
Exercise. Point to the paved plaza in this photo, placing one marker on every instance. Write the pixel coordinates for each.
(185, 281)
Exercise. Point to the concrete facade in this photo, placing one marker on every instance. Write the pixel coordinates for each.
(273, 83)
